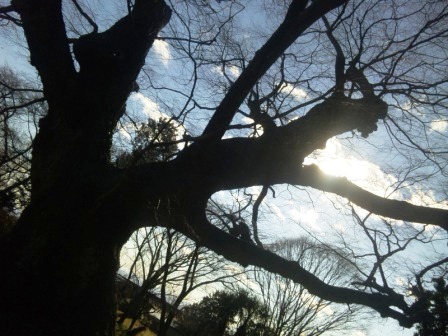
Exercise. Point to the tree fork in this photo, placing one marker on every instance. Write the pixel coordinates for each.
(59, 262)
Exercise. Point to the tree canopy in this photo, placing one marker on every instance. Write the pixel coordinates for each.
(326, 118)
(225, 314)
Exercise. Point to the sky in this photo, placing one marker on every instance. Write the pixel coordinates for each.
(291, 210)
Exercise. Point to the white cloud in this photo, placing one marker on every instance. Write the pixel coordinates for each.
(231, 70)
(304, 215)
(400, 281)
(217, 69)
(358, 333)
(152, 110)
(295, 214)
(254, 190)
(259, 128)
(247, 120)
(232, 268)
(439, 125)
(162, 50)
(327, 311)
(424, 197)
(125, 130)
(228, 136)
(234, 71)
(148, 107)
(297, 93)
(334, 161)
(339, 227)
(277, 211)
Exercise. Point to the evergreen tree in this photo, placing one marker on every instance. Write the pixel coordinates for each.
(435, 310)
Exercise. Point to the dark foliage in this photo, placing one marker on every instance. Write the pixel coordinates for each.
(225, 313)
(434, 310)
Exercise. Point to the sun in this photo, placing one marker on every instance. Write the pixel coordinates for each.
(337, 160)
(334, 160)
(351, 168)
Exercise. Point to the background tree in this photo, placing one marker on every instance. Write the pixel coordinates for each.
(225, 313)
(434, 308)
(19, 106)
(163, 263)
(258, 102)
(169, 267)
(291, 309)
(154, 141)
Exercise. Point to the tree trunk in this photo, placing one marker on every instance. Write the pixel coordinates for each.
(58, 276)
(59, 262)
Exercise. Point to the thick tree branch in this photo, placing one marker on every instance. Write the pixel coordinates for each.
(312, 176)
(273, 159)
(297, 20)
(238, 162)
(111, 61)
(6, 9)
(5, 14)
(249, 254)
(81, 122)
(44, 29)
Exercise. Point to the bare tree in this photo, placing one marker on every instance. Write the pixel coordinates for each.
(254, 102)
(20, 107)
(292, 310)
(167, 267)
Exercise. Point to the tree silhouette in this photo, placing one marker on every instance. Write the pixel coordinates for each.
(291, 310)
(154, 141)
(434, 309)
(225, 313)
(255, 106)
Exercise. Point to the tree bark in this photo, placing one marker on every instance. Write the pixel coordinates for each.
(58, 280)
